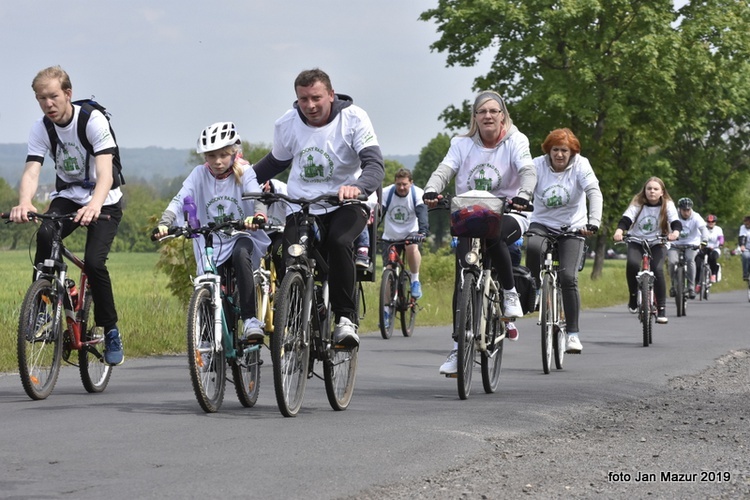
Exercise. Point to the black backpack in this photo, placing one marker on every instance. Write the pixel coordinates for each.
(525, 287)
(87, 106)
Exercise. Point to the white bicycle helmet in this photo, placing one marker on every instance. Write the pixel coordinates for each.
(217, 136)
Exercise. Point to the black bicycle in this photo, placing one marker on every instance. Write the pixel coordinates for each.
(303, 320)
(680, 283)
(395, 292)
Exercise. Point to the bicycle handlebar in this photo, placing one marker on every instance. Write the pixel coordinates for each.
(444, 203)
(177, 231)
(331, 199)
(52, 216)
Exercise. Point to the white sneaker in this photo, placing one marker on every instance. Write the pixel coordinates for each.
(252, 330)
(573, 345)
(451, 364)
(345, 333)
(511, 305)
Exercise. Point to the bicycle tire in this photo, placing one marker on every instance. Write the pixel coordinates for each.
(95, 373)
(207, 365)
(39, 348)
(492, 356)
(680, 291)
(467, 324)
(339, 374)
(705, 282)
(559, 339)
(290, 344)
(246, 375)
(387, 313)
(547, 322)
(646, 315)
(408, 309)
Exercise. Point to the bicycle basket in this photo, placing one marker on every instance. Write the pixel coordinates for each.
(476, 214)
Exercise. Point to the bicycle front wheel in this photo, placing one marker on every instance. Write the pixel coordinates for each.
(290, 344)
(492, 356)
(705, 282)
(547, 322)
(95, 373)
(408, 306)
(39, 340)
(680, 291)
(559, 335)
(646, 315)
(387, 303)
(207, 365)
(339, 372)
(466, 318)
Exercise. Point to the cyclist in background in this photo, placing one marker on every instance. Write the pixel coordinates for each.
(715, 242)
(493, 156)
(651, 214)
(693, 233)
(745, 247)
(217, 187)
(404, 216)
(565, 180)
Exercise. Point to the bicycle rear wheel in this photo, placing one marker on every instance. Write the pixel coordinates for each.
(290, 344)
(467, 324)
(95, 373)
(39, 340)
(387, 303)
(339, 373)
(559, 336)
(680, 292)
(407, 305)
(547, 322)
(492, 356)
(207, 365)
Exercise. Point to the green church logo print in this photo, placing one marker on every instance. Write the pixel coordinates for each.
(648, 225)
(555, 196)
(315, 165)
(484, 177)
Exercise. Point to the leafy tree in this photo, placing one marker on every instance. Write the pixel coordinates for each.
(609, 70)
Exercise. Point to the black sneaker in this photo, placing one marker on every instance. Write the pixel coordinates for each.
(633, 304)
(661, 316)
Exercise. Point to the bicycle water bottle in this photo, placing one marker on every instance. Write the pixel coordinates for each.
(191, 212)
(72, 292)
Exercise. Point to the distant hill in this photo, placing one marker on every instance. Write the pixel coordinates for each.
(149, 165)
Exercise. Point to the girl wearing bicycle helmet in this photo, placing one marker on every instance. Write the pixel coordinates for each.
(217, 187)
(651, 214)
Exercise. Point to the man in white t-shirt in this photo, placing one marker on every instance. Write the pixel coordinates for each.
(405, 217)
(330, 146)
(85, 183)
(692, 234)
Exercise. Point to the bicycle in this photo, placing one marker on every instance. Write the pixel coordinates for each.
(395, 291)
(303, 326)
(704, 280)
(44, 341)
(647, 309)
(213, 327)
(551, 311)
(680, 284)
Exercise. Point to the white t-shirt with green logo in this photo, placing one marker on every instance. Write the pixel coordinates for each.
(323, 158)
(401, 218)
(489, 169)
(560, 197)
(646, 226)
(693, 230)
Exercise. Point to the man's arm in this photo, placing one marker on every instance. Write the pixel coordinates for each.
(373, 170)
(269, 167)
(26, 192)
(422, 219)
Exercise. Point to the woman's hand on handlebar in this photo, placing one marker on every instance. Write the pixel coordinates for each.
(431, 199)
(618, 235)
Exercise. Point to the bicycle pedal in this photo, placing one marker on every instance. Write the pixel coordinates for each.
(451, 375)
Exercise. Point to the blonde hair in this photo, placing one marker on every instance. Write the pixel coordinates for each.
(52, 73)
(239, 162)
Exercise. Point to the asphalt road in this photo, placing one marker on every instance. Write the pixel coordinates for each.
(146, 437)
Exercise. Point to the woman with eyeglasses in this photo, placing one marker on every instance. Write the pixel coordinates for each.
(493, 156)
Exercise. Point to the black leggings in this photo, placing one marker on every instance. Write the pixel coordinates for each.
(497, 248)
(635, 254)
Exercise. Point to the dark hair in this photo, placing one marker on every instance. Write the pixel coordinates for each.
(308, 77)
(403, 172)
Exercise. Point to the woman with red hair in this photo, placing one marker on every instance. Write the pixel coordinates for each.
(565, 180)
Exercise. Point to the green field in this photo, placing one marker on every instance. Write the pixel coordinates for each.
(152, 321)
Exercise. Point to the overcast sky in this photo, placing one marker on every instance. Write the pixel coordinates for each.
(168, 68)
